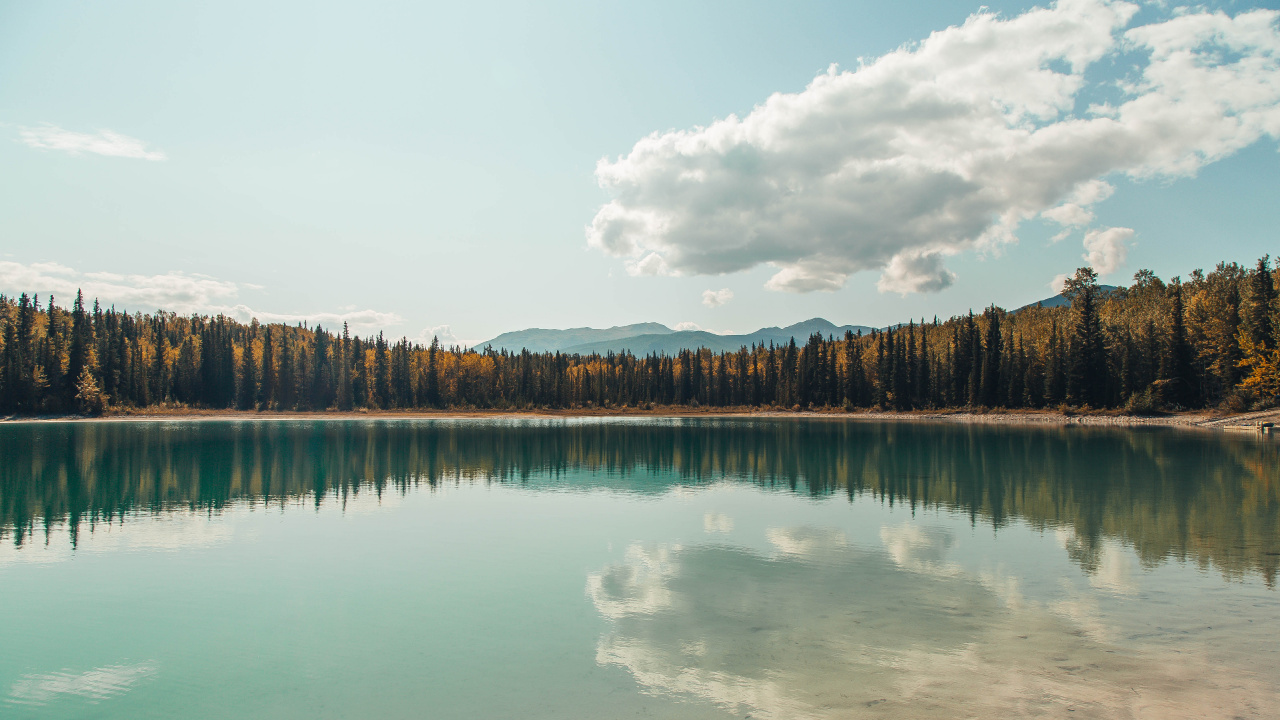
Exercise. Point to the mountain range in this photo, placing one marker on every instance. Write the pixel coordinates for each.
(645, 338)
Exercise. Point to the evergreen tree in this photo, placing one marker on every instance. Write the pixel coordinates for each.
(1176, 372)
(1086, 361)
(248, 385)
(990, 388)
(1262, 297)
(345, 399)
(81, 346)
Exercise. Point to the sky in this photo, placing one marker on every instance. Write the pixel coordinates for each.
(466, 169)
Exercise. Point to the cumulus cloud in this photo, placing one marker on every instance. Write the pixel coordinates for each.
(716, 298)
(103, 142)
(944, 147)
(1106, 250)
(1069, 214)
(173, 292)
(690, 326)
(443, 333)
(914, 272)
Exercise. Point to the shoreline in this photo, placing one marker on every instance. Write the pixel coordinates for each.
(1202, 419)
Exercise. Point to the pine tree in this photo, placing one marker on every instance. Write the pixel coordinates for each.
(1086, 362)
(381, 374)
(990, 390)
(924, 377)
(248, 385)
(1262, 297)
(345, 399)
(1055, 367)
(1176, 373)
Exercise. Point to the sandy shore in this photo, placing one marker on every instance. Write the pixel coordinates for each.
(1196, 419)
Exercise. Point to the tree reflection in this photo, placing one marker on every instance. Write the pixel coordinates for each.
(1205, 498)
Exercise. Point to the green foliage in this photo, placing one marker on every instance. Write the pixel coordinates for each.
(1150, 346)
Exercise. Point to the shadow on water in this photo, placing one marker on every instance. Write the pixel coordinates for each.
(1205, 498)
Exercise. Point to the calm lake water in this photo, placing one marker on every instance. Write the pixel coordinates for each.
(651, 568)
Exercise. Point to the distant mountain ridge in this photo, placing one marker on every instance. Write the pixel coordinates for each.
(1061, 300)
(647, 338)
(547, 340)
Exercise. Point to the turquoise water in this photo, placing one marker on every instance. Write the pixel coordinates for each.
(635, 568)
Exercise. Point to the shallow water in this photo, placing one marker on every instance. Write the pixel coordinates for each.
(635, 568)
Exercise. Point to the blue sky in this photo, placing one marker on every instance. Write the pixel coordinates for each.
(414, 165)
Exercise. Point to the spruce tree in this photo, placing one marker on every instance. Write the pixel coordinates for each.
(991, 356)
(1086, 362)
(1177, 374)
(248, 385)
(1262, 297)
(345, 399)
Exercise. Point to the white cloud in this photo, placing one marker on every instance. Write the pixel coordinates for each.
(1059, 282)
(172, 292)
(104, 142)
(716, 298)
(690, 326)
(358, 321)
(1069, 214)
(910, 272)
(443, 333)
(942, 147)
(1106, 250)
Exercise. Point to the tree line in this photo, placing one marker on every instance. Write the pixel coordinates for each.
(1208, 340)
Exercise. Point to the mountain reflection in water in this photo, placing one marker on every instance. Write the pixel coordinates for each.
(1206, 498)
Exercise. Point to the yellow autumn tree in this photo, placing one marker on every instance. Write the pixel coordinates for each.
(1262, 366)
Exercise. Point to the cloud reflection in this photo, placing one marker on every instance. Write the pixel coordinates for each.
(717, 523)
(97, 684)
(899, 633)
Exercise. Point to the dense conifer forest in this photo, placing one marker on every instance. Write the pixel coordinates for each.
(1209, 340)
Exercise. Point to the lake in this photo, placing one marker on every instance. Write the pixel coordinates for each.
(635, 568)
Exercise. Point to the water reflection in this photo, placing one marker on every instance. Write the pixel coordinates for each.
(824, 629)
(93, 685)
(1210, 499)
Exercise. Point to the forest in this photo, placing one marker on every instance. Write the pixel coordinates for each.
(1209, 340)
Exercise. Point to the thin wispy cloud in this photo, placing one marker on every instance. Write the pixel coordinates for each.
(178, 292)
(182, 293)
(946, 146)
(103, 142)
